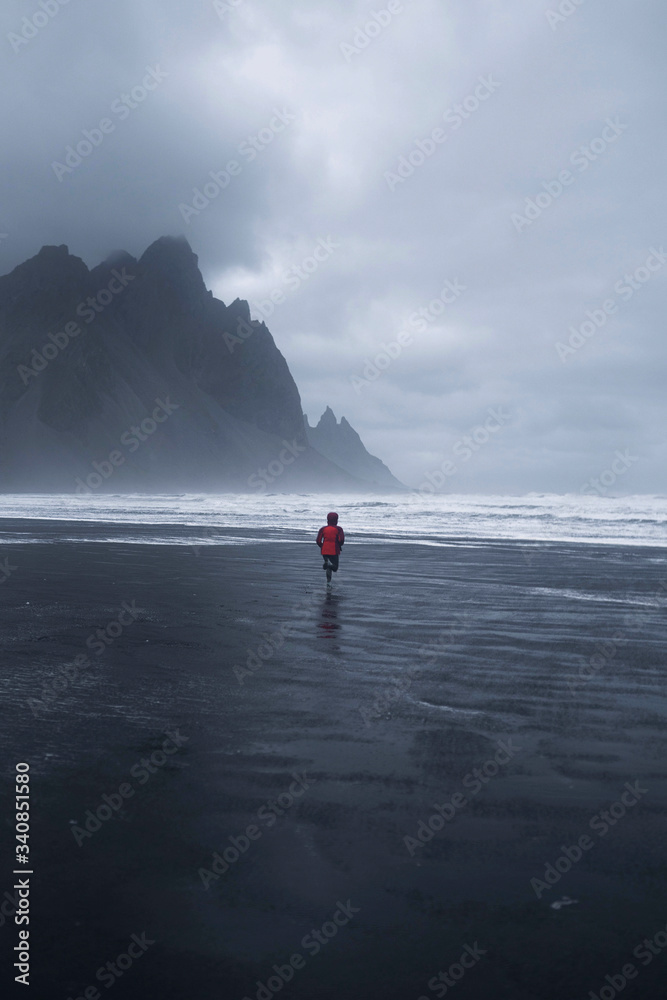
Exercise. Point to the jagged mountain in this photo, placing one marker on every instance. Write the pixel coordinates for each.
(340, 443)
(132, 376)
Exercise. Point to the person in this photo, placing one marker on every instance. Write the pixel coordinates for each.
(331, 539)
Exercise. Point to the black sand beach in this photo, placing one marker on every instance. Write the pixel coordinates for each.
(521, 688)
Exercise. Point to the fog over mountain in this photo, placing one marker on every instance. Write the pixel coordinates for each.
(133, 377)
(336, 164)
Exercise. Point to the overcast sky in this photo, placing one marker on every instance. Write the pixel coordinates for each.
(337, 96)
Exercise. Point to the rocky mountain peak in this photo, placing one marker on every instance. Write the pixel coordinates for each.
(171, 263)
(327, 420)
(46, 271)
(340, 443)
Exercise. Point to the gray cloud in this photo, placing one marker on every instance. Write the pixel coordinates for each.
(324, 175)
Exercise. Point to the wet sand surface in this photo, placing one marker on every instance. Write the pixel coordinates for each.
(541, 666)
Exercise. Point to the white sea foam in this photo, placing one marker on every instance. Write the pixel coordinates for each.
(229, 519)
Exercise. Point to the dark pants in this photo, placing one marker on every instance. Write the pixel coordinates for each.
(331, 561)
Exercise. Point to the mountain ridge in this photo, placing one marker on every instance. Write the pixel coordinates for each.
(341, 444)
(87, 357)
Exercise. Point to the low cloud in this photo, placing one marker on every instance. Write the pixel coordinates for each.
(230, 68)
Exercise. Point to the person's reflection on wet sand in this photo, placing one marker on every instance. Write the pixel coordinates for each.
(329, 624)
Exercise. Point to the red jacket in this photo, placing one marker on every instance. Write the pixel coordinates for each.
(330, 539)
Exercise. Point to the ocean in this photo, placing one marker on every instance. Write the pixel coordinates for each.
(236, 519)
